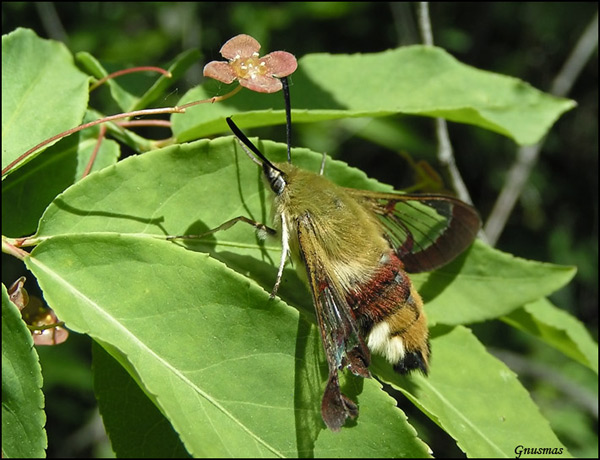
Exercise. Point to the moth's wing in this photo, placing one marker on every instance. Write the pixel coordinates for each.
(426, 230)
(339, 329)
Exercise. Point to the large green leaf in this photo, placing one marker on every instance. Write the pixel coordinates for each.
(43, 93)
(226, 366)
(485, 283)
(23, 416)
(416, 80)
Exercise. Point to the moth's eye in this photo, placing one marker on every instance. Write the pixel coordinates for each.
(276, 179)
(277, 183)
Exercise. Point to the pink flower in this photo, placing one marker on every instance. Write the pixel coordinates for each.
(246, 67)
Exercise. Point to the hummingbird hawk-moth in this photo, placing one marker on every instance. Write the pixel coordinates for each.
(355, 248)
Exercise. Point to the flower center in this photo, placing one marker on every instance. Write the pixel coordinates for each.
(248, 68)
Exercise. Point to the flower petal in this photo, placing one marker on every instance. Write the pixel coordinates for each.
(241, 45)
(220, 70)
(280, 63)
(262, 84)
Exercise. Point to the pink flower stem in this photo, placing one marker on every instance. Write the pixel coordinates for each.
(213, 99)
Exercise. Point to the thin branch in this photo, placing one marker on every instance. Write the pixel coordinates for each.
(51, 21)
(575, 392)
(527, 156)
(425, 23)
(582, 52)
(445, 153)
(447, 160)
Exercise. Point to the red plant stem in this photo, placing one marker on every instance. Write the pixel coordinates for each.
(214, 99)
(126, 71)
(128, 124)
(88, 167)
(13, 249)
(136, 113)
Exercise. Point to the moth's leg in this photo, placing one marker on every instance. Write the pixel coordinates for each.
(261, 228)
(322, 170)
(285, 248)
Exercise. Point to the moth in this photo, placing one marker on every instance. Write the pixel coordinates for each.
(355, 248)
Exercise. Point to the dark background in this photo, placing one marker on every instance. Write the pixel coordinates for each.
(555, 220)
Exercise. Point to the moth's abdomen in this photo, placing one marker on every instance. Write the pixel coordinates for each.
(390, 313)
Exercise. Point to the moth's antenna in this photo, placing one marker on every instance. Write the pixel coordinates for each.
(288, 116)
(244, 139)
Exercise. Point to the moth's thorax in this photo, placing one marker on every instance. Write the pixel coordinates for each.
(350, 235)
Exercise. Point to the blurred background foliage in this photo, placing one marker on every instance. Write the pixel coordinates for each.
(556, 219)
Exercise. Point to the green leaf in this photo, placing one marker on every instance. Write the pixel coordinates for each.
(484, 283)
(23, 416)
(415, 80)
(475, 398)
(43, 93)
(220, 360)
(558, 329)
